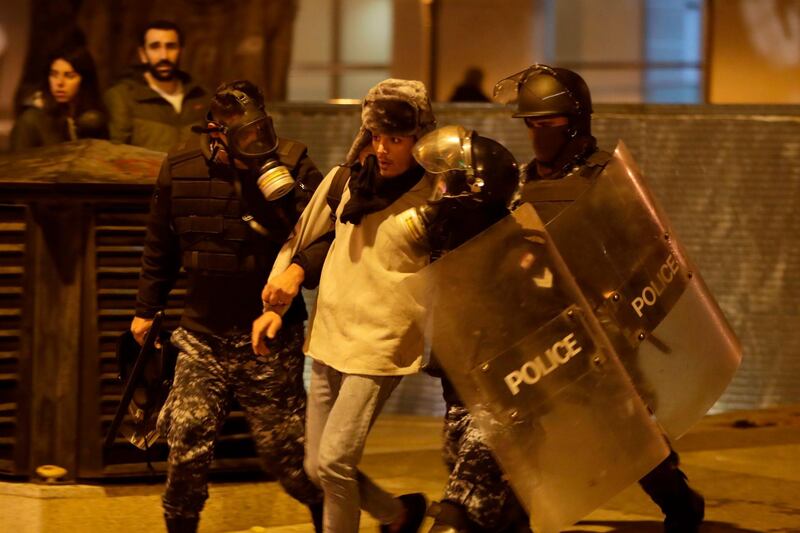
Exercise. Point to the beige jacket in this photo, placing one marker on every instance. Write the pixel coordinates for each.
(362, 323)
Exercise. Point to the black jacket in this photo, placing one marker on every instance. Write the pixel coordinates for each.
(196, 222)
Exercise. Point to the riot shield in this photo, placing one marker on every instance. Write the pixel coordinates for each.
(520, 344)
(665, 325)
(147, 371)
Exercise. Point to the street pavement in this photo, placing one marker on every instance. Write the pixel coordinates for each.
(747, 465)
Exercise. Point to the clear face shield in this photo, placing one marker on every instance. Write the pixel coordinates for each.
(447, 154)
(506, 91)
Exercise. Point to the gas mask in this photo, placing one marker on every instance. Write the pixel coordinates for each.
(251, 139)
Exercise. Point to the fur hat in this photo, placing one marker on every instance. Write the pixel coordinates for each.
(393, 107)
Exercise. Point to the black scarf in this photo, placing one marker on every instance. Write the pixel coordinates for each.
(370, 192)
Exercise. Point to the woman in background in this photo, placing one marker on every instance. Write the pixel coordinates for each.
(68, 106)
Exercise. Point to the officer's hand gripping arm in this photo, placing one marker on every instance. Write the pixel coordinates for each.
(280, 290)
(314, 223)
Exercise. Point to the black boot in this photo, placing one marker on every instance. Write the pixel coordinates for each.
(316, 516)
(683, 507)
(449, 518)
(415, 505)
(688, 516)
(517, 518)
(182, 524)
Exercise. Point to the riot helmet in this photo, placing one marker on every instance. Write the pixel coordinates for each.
(541, 90)
(476, 181)
(468, 165)
(542, 95)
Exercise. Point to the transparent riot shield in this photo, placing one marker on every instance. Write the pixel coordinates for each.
(663, 322)
(507, 323)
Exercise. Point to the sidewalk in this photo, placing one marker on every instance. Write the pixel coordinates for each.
(747, 464)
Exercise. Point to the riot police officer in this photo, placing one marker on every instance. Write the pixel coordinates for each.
(221, 210)
(477, 179)
(556, 106)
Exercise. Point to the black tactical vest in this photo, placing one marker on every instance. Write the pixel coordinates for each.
(551, 196)
(207, 211)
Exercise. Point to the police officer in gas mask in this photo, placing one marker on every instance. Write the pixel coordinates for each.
(477, 179)
(222, 208)
(556, 106)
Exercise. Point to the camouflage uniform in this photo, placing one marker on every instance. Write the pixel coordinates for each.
(476, 483)
(212, 369)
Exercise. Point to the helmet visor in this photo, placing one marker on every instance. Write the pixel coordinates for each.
(254, 139)
(444, 149)
(506, 91)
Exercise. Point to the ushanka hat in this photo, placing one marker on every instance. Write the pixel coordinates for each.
(393, 107)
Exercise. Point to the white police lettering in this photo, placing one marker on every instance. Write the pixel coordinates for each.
(534, 370)
(651, 292)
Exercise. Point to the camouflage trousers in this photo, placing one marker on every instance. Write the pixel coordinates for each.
(210, 371)
(476, 482)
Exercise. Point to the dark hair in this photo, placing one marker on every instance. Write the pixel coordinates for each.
(224, 104)
(88, 96)
(161, 25)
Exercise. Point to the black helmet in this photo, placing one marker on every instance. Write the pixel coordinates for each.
(498, 169)
(471, 166)
(541, 90)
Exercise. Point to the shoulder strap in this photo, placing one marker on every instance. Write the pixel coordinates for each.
(290, 152)
(337, 189)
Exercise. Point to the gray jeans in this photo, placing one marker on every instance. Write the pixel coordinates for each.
(341, 410)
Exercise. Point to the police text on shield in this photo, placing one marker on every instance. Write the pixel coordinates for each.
(541, 365)
(651, 292)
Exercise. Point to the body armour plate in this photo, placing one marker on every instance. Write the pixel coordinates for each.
(208, 211)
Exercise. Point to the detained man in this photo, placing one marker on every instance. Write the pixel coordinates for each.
(362, 339)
